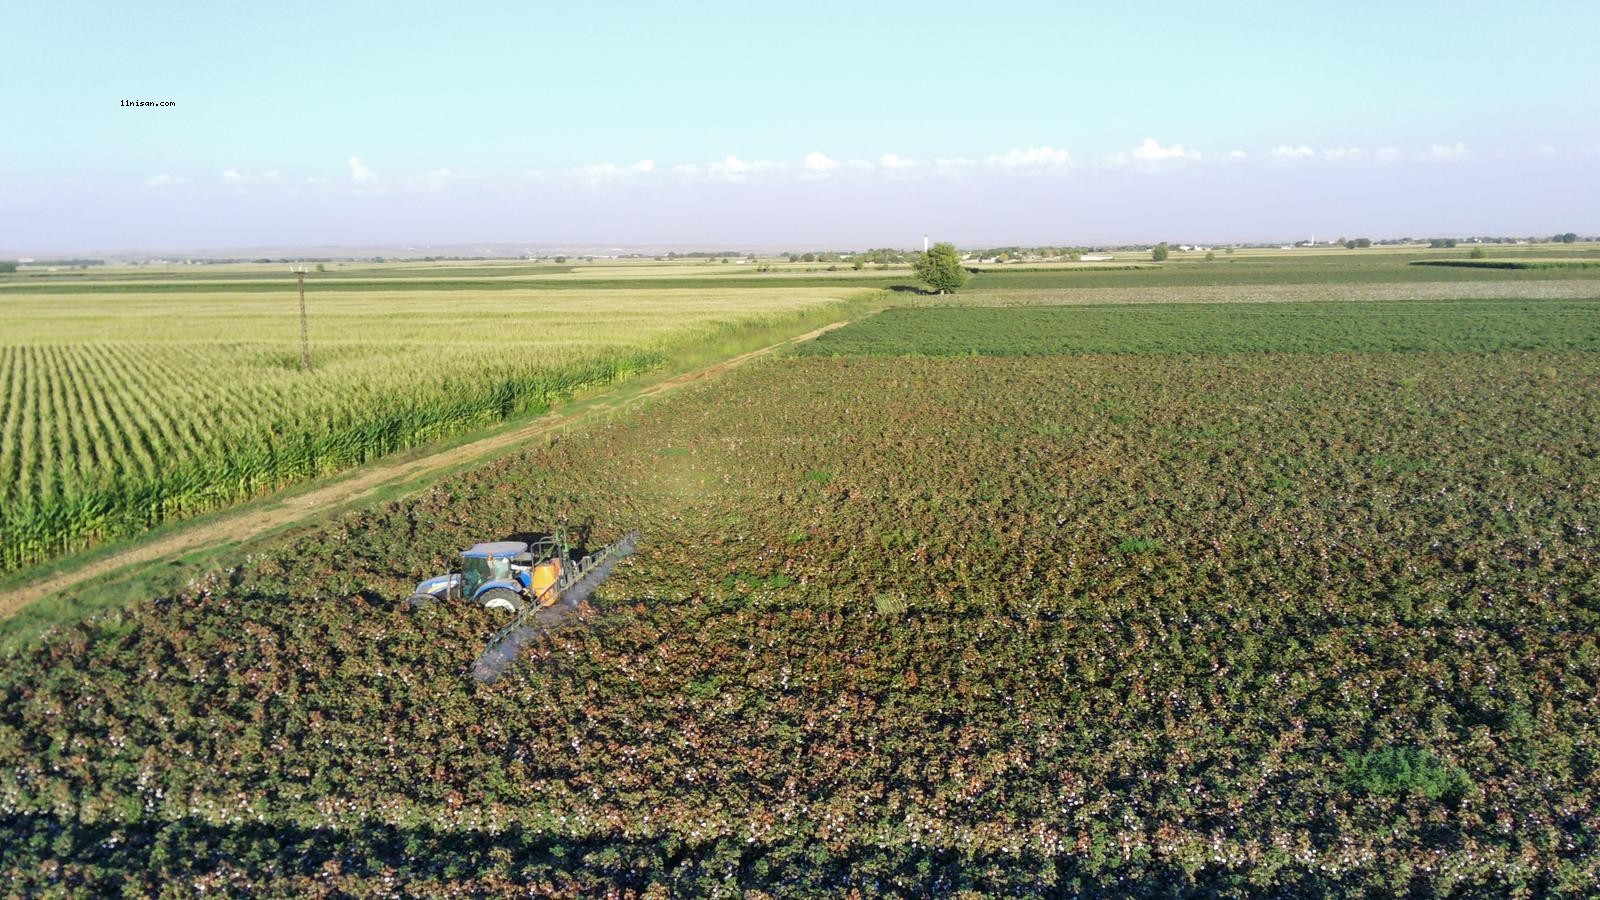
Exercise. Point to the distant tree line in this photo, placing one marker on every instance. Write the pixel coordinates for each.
(1567, 238)
(1006, 254)
(881, 256)
(709, 254)
(10, 265)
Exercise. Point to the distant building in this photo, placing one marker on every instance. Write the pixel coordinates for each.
(1096, 257)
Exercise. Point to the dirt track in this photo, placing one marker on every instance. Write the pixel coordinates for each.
(359, 483)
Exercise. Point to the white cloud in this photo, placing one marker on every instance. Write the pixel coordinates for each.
(612, 171)
(732, 168)
(1032, 159)
(232, 176)
(163, 180)
(271, 176)
(359, 170)
(899, 168)
(819, 162)
(1150, 151)
(1151, 154)
(1285, 154)
(437, 179)
(1290, 155)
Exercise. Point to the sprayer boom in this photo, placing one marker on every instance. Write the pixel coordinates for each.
(577, 583)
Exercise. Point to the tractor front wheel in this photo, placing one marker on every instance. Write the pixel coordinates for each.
(502, 600)
(418, 601)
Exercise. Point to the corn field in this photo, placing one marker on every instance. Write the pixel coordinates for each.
(122, 413)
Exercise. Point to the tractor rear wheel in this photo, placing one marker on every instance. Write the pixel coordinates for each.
(502, 600)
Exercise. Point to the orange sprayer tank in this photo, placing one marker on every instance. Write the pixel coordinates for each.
(545, 576)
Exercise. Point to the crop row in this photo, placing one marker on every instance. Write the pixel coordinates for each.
(1099, 623)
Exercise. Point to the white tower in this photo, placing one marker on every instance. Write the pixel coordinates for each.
(924, 243)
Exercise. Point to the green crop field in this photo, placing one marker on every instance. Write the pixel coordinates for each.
(131, 404)
(1477, 325)
(136, 395)
(1296, 599)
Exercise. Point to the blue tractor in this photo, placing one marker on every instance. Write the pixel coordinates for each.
(513, 577)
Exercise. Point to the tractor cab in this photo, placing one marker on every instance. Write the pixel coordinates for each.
(490, 563)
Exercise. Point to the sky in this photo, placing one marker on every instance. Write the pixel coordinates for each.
(803, 126)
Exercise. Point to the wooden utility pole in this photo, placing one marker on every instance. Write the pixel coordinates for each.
(305, 332)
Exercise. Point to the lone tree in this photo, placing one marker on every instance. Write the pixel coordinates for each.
(1159, 254)
(940, 268)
